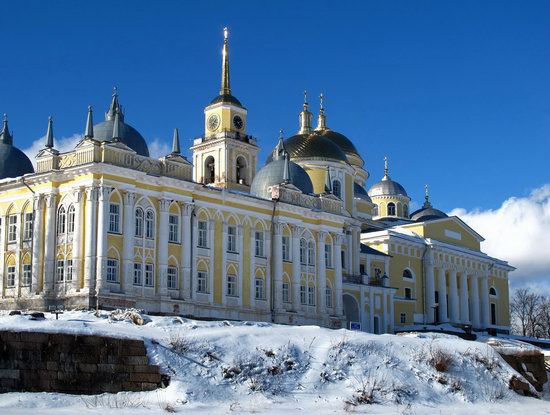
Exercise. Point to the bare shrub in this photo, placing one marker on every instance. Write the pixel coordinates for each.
(495, 392)
(440, 360)
(178, 342)
(117, 401)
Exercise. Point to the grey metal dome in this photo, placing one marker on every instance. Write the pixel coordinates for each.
(387, 187)
(360, 193)
(273, 173)
(312, 146)
(427, 213)
(13, 162)
(126, 133)
(226, 98)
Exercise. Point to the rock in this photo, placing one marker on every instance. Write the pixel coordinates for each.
(15, 313)
(37, 315)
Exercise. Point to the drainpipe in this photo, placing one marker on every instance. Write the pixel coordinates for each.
(271, 285)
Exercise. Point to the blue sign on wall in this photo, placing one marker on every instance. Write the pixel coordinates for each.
(354, 325)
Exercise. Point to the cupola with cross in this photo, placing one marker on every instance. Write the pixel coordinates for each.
(225, 156)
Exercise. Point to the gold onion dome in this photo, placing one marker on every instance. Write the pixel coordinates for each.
(345, 144)
(387, 186)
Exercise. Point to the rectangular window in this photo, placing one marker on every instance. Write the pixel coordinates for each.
(60, 271)
(172, 278)
(112, 270)
(259, 243)
(343, 258)
(329, 297)
(202, 286)
(70, 219)
(310, 253)
(328, 256)
(203, 234)
(286, 292)
(231, 239)
(27, 274)
(27, 228)
(408, 293)
(303, 251)
(11, 277)
(259, 285)
(149, 275)
(311, 295)
(174, 228)
(114, 218)
(361, 269)
(138, 274)
(232, 285)
(12, 228)
(286, 248)
(69, 273)
(302, 294)
(403, 318)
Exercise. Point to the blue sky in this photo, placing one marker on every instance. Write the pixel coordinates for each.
(455, 93)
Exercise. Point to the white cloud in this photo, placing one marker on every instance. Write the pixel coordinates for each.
(519, 232)
(62, 145)
(158, 148)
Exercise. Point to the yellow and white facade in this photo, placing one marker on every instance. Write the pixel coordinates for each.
(298, 242)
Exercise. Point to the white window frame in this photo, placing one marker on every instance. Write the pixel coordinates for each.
(139, 220)
(328, 255)
(303, 295)
(311, 253)
(68, 270)
(173, 228)
(202, 282)
(259, 237)
(150, 224)
(60, 270)
(232, 286)
(391, 204)
(311, 295)
(70, 219)
(202, 237)
(285, 292)
(303, 251)
(61, 220)
(286, 247)
(27, 274)
(10, 277)
(408, 289)
(403, 318)
(27, 226)
(337, 188)
(232, 239)
(114, 217)
(12, 228)
(328, 295)
(259, 289)
(112, 270)
(138, 273)
(149, 280)
(172, 277)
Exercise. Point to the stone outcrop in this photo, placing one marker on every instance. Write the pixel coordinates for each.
(529, 364)
(74, 363)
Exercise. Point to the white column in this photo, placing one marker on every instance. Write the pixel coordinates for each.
(211, 244)
(267, 253)
(240, 249)
(296, 268)
(392, 313)
(90, 238)
(128, 233)
(429, 294)
(386, 281)
(484, 300)
(453, 297)
(464, 312)
(102, 229)
(194, 243)
(50, 239)
(38, 220)
(187, 249)
(2, 250)
(321, 274)
(474, 300)
(278, 265)
(252, 249)
(356, 233)
(349, 261)
(224, 262)
(77, 240)
(338, 309)
(162, 244)
(442, 288)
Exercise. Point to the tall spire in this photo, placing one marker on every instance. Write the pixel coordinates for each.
(49, 134)
(305, 118)
(176, 142)
(322, 120)
(328, 181)
(89, 133)
(115, 105)
(116, 126)
(386, 175)
(427, 203)
(280, 149)
(5, 136)
(226, 87)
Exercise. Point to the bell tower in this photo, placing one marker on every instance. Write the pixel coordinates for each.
(225, 156)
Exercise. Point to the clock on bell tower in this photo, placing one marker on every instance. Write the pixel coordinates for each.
(225, 156)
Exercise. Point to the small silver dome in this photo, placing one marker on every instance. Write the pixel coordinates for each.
(273, 173)
(360, 193)
(128, 135)
(387, 187)
(427, 213)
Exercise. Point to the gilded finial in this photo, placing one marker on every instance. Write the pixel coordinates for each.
(322, 109)
(321, 120)
(427, 197)
(385, 166)
(305, 118)
(306, 105)
(225, 33)
(226, 87)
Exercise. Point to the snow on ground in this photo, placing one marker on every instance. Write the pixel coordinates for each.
(227, 367)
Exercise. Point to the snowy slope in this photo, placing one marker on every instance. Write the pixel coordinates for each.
(241, 367)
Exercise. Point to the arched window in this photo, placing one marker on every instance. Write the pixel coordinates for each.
(241, 170)
(391, 209)
(311, 253)
(303, 251)
(405, 211)
(492, 291)
(149, 224)
(375, 210)
(337, 188)
(139, 222)
(61, 221)
(209, 170)
(70, 219)
(407, 274)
